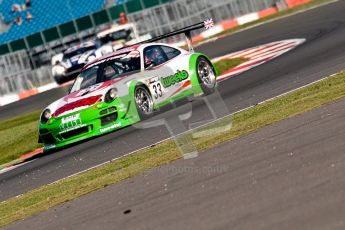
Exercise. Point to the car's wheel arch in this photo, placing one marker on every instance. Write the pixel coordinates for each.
(132, 87)
(193, 60)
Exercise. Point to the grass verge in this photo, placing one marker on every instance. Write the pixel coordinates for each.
(18, 136)
(244, 122)
(224, 65)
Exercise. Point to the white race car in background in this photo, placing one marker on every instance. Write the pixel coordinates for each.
(67, 65)
(118, 36)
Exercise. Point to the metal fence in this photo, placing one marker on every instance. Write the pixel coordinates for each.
(181, 13)
(17, 74)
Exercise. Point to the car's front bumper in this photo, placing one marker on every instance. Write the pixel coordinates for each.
(96, 120)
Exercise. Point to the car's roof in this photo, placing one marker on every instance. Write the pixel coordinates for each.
(113, 54)
(137, 47)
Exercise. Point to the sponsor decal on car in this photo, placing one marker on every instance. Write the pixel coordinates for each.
(153, 80)
(208, 23)
(71, 123)
(174, 79)
(114, 126)
(74, 117)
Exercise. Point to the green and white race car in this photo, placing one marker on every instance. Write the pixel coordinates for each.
(124, 88)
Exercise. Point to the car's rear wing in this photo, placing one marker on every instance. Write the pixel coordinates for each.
(187, 31)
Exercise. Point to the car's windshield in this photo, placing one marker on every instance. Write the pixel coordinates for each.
(115, 67)
(118, 35)
(121, 65)
(79, 51)
(85, 79)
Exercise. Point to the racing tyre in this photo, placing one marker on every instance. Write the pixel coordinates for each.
(143, 102)
(206, 75)
(58, 80)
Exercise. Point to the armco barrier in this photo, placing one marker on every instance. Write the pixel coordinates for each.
(293, 3)
(229, 24)
(10, 98)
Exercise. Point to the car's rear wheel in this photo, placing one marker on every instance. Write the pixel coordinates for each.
(144, 102)
(206, 75)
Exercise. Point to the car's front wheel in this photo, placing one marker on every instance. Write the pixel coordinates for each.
(144, 102)
(206, 75)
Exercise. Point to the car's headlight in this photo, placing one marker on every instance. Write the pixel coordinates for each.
(46, 115)
(110, 95)
(60, 70)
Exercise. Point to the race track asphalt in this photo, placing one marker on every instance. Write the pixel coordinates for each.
(322, 55)
(289, 175)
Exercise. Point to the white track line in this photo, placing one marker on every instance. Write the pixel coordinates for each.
(14, 166)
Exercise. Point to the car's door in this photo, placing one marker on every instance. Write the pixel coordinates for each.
(165, 70)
